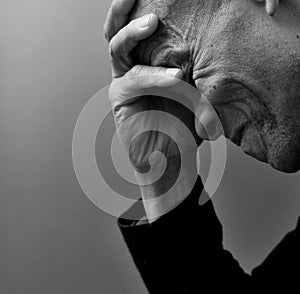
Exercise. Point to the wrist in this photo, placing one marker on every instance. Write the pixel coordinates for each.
(171, 189)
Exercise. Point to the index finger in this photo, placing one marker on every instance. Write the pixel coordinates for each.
(272, 6)
(117, 17)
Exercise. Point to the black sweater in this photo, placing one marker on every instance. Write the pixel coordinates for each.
(182, 252)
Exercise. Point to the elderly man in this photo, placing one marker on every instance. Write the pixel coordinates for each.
(247, 65)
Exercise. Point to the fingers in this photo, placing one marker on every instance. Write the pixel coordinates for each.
(126, 39)
(117, 17)
(272, 6)
(127, 89)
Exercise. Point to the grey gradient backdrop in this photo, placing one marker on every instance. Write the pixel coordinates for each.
(53, 58)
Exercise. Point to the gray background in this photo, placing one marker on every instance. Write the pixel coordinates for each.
(53, 58)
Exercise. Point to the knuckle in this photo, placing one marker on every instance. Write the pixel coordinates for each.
(105, 32)
(106, 36)
(124, 34)
(136, 70)
(132, 29)
(117, 45)
(113, 92)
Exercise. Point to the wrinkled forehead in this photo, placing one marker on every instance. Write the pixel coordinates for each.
(178, 11)
(180, 22)
(227, 25)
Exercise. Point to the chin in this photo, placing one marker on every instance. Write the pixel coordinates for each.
(282, 155)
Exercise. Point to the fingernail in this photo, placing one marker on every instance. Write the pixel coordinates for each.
(271, 7)
(175, 72)
(145, 20)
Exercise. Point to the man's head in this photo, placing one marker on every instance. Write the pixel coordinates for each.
(245, 62)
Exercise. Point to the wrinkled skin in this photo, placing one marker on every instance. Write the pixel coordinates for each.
(245, 62)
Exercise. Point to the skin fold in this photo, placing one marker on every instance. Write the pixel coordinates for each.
(244, 61)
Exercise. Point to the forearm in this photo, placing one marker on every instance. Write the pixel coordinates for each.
(161, 249)
(182, 251)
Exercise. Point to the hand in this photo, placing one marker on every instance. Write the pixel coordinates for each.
(127, 81)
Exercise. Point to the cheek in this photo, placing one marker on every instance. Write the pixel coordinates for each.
(272, 73)
(283, 87)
